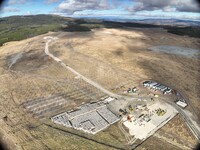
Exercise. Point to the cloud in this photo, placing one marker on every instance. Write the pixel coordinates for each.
(176, 15)
(13, 2)
(71, 6)
(165, 5)
(10, 9)
(52, 1)
(29, 13)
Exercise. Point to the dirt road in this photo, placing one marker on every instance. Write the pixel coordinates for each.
(74, 71)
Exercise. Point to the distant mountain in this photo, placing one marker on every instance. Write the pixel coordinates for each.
(168, 22)
(17, 28)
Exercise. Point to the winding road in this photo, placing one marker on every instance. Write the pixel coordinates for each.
(75, 72)
(189, 121)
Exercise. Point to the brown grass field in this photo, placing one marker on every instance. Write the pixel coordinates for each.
(110, 57)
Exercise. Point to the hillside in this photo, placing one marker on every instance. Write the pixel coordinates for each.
(17, 28)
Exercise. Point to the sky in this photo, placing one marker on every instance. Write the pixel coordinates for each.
(127, 9)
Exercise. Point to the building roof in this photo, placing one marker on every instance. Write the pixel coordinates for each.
(182, 104)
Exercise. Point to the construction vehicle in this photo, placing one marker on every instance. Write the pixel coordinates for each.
(134, 90)
(155, 95)
(160, 112)
(130, 108)
(141, 116)
(124, 112)
(121, 110)
(129, 90)
(129, 118)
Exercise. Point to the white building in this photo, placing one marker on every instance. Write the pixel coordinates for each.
(109, 99)
(181, 103)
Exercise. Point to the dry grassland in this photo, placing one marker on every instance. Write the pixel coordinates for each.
(110, 57)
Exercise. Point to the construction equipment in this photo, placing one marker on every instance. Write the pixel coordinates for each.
(129, 118)
(155, 95)
(134, 90)
(160, 112)
(129, 90)
(123, 112)
(130, 108)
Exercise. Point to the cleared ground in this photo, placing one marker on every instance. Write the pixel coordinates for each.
(143, 129)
